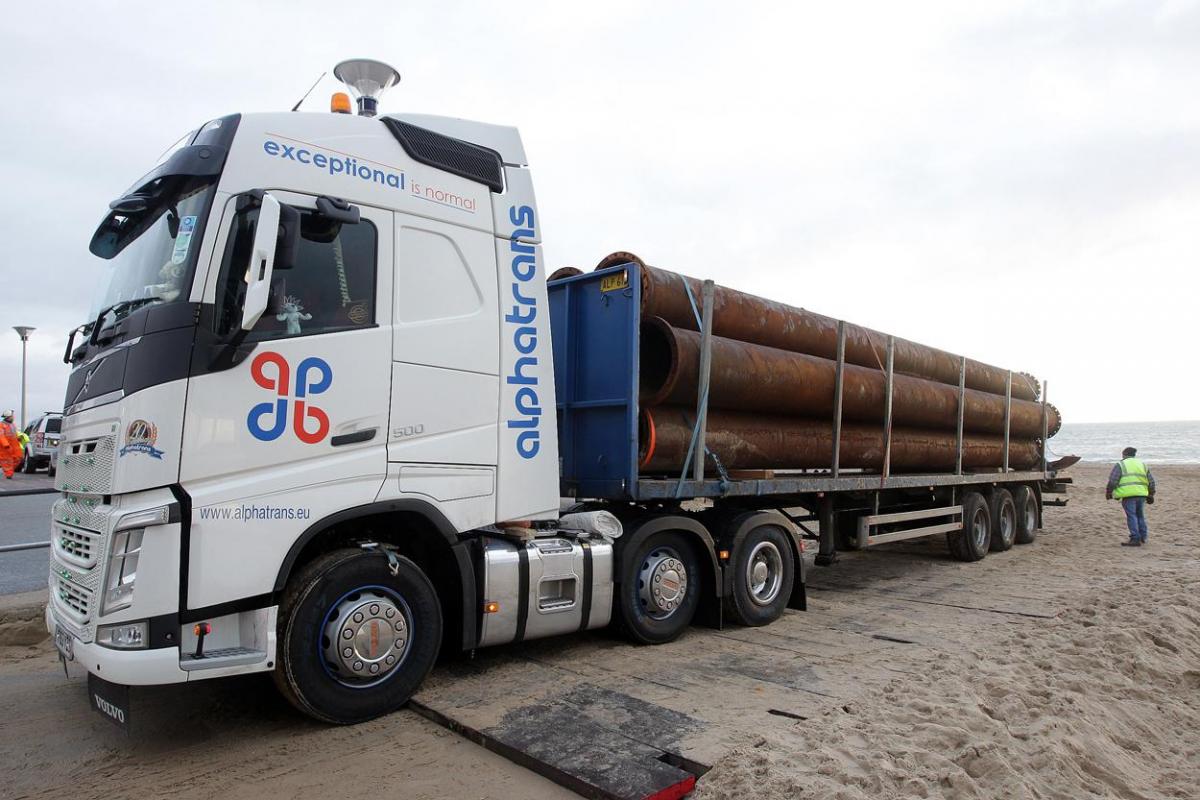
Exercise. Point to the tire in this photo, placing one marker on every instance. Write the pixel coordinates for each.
(336, 595)
(27, 465)
(1004, 521)
(763, 574)
(971, 543)
(1026, 504)
(645, 618)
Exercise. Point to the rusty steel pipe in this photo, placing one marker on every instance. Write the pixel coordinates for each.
(564, 272)
(751, 377)
(747, 318)
(760, 441)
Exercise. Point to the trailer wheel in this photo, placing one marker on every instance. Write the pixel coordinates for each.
(660, 588)
(1004, 520)
(763, 574)
(971, 543)
(1026, 505)
(355, 640)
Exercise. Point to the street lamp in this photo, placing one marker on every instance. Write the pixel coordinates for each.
(23, 331)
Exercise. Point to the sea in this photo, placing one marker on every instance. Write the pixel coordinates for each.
(1156, 442)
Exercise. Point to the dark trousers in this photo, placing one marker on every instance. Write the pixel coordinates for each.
(1135, 515)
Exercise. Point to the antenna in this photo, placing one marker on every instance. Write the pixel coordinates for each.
(306, 94)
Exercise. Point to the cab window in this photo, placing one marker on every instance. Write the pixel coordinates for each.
(330, 287)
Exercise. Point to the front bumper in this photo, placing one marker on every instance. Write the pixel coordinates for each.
(128, 667)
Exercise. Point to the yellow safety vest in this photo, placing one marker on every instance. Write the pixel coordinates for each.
(1135, 480)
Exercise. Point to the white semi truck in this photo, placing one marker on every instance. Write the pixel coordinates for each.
(310, 429)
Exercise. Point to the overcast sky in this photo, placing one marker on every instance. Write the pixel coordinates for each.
(1017, 182)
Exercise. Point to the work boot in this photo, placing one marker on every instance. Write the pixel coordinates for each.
(1131, 543)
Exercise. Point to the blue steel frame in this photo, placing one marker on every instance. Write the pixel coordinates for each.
(596, 337)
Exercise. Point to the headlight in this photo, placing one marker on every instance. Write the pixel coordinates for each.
(122, 570)
(126, 636)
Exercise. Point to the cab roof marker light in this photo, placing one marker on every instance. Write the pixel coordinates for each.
(367, 80)
(339, 103)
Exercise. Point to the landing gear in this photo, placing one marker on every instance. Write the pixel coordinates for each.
(358, 633)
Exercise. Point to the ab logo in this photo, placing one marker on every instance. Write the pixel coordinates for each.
(313, 376)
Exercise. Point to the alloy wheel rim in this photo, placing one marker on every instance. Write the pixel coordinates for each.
(366, 636)
(764, 573)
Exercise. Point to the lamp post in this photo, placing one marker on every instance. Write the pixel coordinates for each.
(23, 331)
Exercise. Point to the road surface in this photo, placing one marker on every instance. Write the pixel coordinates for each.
(25, 518)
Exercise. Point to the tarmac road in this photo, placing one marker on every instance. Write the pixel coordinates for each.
(24, 518)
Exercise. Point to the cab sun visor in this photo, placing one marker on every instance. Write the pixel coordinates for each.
(143, 204)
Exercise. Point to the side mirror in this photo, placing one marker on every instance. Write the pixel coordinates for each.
(262, 262)
(289, 238)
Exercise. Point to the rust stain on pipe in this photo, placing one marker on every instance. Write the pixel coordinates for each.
(759, 441)
(564, 272)
(751, 377)
(747, 318)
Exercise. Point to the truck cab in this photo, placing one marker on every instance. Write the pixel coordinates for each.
(320, 329)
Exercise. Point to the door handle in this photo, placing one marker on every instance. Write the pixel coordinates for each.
(365, 435)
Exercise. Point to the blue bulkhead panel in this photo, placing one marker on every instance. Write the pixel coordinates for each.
(594, 327)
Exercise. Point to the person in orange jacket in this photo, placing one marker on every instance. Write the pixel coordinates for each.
(10, 446)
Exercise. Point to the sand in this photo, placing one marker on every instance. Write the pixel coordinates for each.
(1101, 700)
(1067, 668)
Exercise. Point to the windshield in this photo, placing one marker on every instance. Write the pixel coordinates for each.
(157, 246)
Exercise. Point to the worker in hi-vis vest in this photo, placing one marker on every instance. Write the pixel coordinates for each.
(1131, 482)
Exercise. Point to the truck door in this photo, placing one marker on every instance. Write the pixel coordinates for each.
(445, 345)
(297, 429)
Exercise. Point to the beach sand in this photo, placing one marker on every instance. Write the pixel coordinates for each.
(1102, 699)
(1066, 668)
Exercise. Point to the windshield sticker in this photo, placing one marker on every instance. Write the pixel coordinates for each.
(184, 240)
(140, 437)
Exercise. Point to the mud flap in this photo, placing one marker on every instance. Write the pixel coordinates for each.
(109, 700)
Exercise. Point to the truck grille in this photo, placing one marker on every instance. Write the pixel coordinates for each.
(76, 547)
(86, 466)
(80, 512)
(73, 600)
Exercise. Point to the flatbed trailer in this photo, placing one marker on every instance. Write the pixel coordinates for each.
(595, 319)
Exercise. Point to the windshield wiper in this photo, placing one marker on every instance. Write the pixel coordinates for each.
(116, 308)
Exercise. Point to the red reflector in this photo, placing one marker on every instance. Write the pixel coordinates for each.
(675, 791)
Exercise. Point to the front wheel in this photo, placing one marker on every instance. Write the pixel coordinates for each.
(27, 466)
(355, 640)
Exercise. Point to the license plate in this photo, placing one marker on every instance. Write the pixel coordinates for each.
(618, 280)
(109, 700)
(64, 643)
